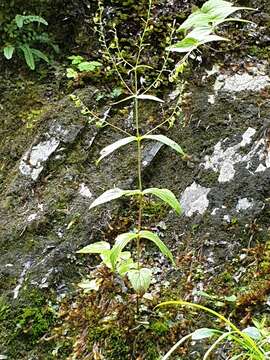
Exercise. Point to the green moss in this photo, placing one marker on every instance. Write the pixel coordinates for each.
(34, 322)
(31, 118)
(259, 52)
(24, 323)
(116, 343)
(160, 327)
(4, 309)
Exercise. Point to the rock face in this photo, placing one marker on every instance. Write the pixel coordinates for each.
(49, 179)
(225, 191)
(44, 209)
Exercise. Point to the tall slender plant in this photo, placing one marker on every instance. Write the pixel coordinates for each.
(199, 29)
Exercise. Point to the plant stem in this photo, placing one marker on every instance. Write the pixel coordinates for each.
(102, 32)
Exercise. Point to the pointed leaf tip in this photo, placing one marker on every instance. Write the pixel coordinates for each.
(167, 196)
(116, 145)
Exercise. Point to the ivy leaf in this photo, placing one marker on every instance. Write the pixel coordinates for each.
(8, 51)
(96, 248)
(116, 145)
(113, 194)
(149, 235)
(140, 279)
(167, 196)
(165, 140)
(120, 243)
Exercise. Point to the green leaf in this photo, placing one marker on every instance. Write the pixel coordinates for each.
(8, 51)
(26, 19)
(202, 23)
(106, 258)
(204, 333)
(19, 20)
(76, 59)
(113, 194)
(89, 285)
(89, 66)
(186, 45)
(96, 248)
(116, 145)
(120, 243)
(149, 235)
(165, 140)
(125, 266)
(252, 332)
(40, 55)
(212, 13)
(116, 92)
(140, 279)
(197, 19)
(231, 298)
(219, 9)
(167, 196)
(71, 73)
(149, 97)
(28, 55)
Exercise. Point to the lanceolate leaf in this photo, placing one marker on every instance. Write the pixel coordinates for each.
(28, 55)
(167, 196)
(125, 99)
(201, 25)
(120, 243)
(221, 9)
(149, 235)
(213, 12)
(8, 51)
(96, 248)
(149, 97)
(113, 194)
(116, 145)
(186, 45)
(165, 140)
(140, 279)
(40, 54)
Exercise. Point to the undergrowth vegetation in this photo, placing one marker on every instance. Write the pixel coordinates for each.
(22, 35)
(125, 310)
(118, 263)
